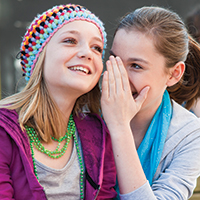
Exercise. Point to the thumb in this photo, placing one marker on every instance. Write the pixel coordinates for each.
(142, 96)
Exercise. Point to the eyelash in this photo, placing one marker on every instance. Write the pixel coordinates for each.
(136, 66)
(73, 41)
(98, 48)
(70, 40)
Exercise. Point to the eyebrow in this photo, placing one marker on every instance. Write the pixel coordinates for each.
(131, 59)
(77, 33)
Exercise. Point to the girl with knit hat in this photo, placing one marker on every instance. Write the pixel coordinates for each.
(53, 143)
(154, 64)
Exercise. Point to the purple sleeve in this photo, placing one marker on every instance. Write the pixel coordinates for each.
(6, 188)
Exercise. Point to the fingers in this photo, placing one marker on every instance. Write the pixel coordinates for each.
(116, 93)
(124, 75)
(117, 74)
(111, 79)
(105, 86)
(142, 96)
(118, 78)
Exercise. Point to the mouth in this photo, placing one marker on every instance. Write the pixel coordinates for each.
(134, 94)
(80, 69)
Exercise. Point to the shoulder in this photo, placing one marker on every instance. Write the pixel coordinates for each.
(180, 155)
(7, 120)
(183, 121)
(9, 127)
(184, 130)
(8, 115)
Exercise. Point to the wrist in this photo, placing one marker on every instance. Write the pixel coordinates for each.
(120, 131)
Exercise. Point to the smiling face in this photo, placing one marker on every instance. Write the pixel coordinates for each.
(145, 66)
(73, 62)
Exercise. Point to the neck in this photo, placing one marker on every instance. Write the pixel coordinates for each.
(65, 99)
(65, 105)
(140, 124)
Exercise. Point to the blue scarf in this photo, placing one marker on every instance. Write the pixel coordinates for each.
(151, 147)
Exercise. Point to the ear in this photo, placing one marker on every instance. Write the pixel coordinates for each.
(176, 73)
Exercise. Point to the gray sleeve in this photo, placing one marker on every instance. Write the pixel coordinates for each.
(143, 193)
(176, 177)
(180, 169)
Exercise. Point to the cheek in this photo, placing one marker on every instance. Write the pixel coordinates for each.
(49, 65)
(136, 79)
(51, 69)
(99, 66)
(47, 72)
(138, 82)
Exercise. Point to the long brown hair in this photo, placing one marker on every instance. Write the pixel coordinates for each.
(171, 39)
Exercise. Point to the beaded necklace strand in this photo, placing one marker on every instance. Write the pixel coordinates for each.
(34, 140)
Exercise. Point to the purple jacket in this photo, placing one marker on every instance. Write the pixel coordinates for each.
(17, 179)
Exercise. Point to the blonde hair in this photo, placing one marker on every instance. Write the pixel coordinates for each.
(37, 109)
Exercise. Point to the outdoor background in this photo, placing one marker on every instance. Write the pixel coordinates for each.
(15, 15)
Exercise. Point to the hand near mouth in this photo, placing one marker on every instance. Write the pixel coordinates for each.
(119, 107)
(118, 104)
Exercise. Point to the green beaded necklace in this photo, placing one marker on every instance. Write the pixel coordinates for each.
(70, 132)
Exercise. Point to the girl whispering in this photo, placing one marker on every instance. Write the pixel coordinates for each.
(154, 64)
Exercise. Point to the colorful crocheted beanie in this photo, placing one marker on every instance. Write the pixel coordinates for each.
(45, 25)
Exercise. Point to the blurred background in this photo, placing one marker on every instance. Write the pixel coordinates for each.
(15, 16)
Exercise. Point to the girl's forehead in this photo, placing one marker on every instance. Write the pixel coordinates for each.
(80, 26)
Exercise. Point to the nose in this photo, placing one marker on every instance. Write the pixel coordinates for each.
(85, 52)
(129, 75)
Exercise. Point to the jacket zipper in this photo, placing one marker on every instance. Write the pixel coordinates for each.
(92, 183)
(98, 189)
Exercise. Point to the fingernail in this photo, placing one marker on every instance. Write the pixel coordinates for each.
(118, 58)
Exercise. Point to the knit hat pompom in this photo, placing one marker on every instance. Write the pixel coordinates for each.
(44, 26)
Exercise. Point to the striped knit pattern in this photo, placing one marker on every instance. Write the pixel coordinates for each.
(45, 25)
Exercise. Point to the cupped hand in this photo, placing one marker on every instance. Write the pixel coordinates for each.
(117, 102)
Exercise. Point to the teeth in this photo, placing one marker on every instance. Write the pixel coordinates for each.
(79, 68)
